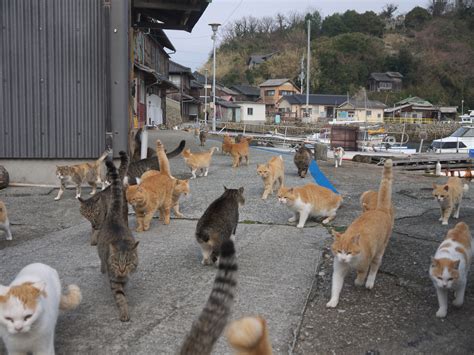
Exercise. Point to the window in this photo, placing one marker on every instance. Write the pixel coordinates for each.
(250, 111)
(378, 115)
(285, 92)
(269, 92)
(369, 113)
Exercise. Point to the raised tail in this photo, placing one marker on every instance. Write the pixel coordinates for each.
(123, 168)
(177, 151)
(211, 151)
(117, 190)
(103, 156)
(162, 158)
(249, 335)
(211, 322)
(72, 299)
(384, 200)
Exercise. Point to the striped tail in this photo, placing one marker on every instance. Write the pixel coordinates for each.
(384, 202)
(72, 299)
(123, 168)
(103, 156)
(213, 318)
(117, 190)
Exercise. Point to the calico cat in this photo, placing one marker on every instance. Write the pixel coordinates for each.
(80, 173)
(95, 208)
(449, 197)
(227, 144)
(219, 223)
(310, 199)
(272, 173)
(368, 201)
(302, 160)
(202, 137)
(338, 154)
(4, 222)
(137, 168)
(211, 322)
(29, 309)
(362, 245)
(450, 266)
(154, 192)
(198, 160)
(249, 336)
(116, 246)
(240, 150)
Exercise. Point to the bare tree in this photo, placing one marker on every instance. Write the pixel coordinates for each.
(388, 11)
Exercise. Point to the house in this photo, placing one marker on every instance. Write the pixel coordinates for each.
(256, 59)
(182, 77)
(388, 81)
(357, 110)
(243, 111)
(417, 108)
(246, 92)
(227, 111)
(272, 90)
(320, 106)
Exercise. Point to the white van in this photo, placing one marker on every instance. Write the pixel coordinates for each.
(459, 142)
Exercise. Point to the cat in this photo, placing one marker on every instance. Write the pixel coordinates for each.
(310, 199)
(4, 221)
(227, 144)
(211, 322)
(219, 223)
(368, 201)
(338, 154)
(137, 168)
(198, 160)
(80, 173)
(271, 173)
(362, 245)
(116, 246)
(450, 265)
(202, 137)
(29, 309)
(249, 336)
(449, 196)
(94, 209)
(154, 192)
(240, 150)
(302, 160)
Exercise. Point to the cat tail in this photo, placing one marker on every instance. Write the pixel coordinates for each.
(123, 168)
(211, 151)
(249, 335)
(116, 187)
(384, 201)
(177, 151)
(162, 158)
(103, 156)
(211, 322)
(72, 299)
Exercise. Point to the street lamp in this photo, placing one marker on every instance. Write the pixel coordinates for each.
(214, 27)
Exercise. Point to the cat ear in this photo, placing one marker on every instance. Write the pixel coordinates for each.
(4, 290)
(335, 234)
(355, 239)
(456, 264)
(434, 261)
(225, 188)
(434, 186)
(241, 190)
(135, 246)
(40, 285)
(290, 190)
(446, 187)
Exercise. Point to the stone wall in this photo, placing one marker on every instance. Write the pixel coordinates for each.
(173, 113)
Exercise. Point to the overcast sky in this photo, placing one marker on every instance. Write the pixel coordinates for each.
(192, 49)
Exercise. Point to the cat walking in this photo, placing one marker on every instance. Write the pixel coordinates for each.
(449, 197)
(338, 154)
(4, 221)
(272, 173)
(29, 309)
(450, 266)
(302, 159)
(198, 161)
(362, 245)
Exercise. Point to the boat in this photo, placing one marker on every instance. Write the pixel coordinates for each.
(461, 141)
(467, 118)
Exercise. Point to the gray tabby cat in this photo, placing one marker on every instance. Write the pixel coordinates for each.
(95, 208)
(213, 318)
(116, 246)
(302, 160)
(219, 223)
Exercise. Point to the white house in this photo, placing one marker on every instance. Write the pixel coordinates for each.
(361, 111)
(251, 112)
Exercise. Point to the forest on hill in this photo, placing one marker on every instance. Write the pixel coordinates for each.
(432, 47)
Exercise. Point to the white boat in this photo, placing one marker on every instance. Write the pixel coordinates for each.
(461, 141)
(467, 118)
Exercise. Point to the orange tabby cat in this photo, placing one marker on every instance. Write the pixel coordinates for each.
(362, 245)
(198, 160)
(249, 336)
(240, 150)
(227, 144)
(449, 196)
(271, 173)
(310, 199)
(368, 201)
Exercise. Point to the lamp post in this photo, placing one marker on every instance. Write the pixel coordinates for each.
(205, 98)
(462, 107)
(214, 27)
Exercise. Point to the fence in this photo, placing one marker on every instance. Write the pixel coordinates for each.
(402, 120)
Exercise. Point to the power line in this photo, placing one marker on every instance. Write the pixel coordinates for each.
(233, 11)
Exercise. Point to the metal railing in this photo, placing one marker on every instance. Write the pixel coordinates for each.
(401, 120)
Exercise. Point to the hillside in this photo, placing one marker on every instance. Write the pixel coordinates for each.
(434, 50)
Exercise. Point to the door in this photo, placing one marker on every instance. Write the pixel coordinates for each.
(154, 110)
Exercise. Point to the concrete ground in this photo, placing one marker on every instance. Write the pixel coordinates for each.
(284, 273)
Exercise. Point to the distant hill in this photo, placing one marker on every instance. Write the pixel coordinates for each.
(433, 48)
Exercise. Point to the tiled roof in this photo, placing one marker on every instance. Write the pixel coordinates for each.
(370, 104)
(275, 82)
(178, 68)
(315, 99)
(246, 90)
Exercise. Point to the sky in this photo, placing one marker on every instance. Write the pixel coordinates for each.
(193, 49)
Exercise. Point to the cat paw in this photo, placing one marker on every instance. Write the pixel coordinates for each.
(440, 219)
(264, 197)
(369, 284)
(124, 317)
(458, 303)
(300, 226)
(57, 198)
(292, 219)
(326, 221)
(441, 313)
(444, 223)
(179, 215)
(77, 196)
(332, 303)
(358, 282)
(139, 229)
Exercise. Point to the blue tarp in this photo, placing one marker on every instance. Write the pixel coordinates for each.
(319, 177)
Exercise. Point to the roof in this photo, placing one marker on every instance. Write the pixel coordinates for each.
(394, 74)
(246, 90)
(315, 99)
(275, 82)
(155, 78)
(414, 100)
(370, 104)
(387, 76)
(226, 90)
(171, 15)
(176, 68)
(160, 36)
(196, 84)
(227, 104)
(201, 79)
(259, 58)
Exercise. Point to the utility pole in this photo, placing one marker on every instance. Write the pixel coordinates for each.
(205, 97)
(307, 69)
(214, 27)
(302, 75)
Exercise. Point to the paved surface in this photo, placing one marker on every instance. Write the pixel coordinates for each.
(279, 267)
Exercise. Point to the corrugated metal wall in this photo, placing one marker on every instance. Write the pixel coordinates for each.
(53, 79)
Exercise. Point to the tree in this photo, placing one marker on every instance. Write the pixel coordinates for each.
(316, 20)
(416, 18)
(388, 11)
(438, 7)
(333, 25)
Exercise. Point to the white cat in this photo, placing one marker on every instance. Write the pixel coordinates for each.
(29, 309)
(450, 265)
(338, 154)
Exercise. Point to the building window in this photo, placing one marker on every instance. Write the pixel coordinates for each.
(285, 92)
(379, 115)
(269, 92)
(369, 113)
(250, 111)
